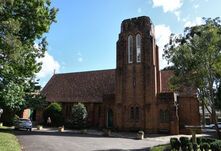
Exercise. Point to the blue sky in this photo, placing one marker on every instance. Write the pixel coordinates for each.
(84, 38)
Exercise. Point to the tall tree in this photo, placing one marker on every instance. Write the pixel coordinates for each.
(196, 55)
(22, 25)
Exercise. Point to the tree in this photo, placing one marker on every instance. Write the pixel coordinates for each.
(22, 25)
(196, 56)
(54, 111)
(79, 115)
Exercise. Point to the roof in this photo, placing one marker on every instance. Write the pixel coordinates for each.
(88, 86)
(165, 76)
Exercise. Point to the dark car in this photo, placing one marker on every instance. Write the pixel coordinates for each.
(22, 123)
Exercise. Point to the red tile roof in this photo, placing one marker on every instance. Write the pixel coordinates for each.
(80, 86)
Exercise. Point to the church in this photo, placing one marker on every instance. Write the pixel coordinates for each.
(135, 95)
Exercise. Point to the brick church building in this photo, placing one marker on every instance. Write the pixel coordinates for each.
(135, 95)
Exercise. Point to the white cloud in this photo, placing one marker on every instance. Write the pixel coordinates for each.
(197, 21)
(162, 33)
(49, 65)
(170, 6)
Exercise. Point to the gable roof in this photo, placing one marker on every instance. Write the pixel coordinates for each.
(88, 86)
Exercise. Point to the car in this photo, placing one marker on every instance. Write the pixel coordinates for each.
(213, 125)
(22, 123)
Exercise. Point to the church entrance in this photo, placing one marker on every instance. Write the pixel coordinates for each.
(110, 118)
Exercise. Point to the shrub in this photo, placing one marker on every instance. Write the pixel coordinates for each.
(79, 115)
(205, 146)
(54, 111)
(184, 143)
(175, 144)
(189, 146)
(195, 146)
(207, 140)
(215, 146)
(199, 140)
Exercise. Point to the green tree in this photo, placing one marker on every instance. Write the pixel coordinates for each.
(22, 25)
(54, 111)
(79, 115)
(196, 56)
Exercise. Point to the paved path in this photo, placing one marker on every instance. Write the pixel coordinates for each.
(51, 140)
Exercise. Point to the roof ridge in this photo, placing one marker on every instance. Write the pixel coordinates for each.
(80, 72)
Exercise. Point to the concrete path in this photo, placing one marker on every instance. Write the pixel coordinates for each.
(51, 140)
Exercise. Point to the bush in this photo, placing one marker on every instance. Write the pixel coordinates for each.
(216, 145)
(79, 115)
(175, 144)
(184, 143)
(204, 146)
(207, 140)
(54, 111)
(199, 140)
(189, 146)
(195, 146)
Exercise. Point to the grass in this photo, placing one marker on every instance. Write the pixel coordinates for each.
(8, 141)
(161, 148)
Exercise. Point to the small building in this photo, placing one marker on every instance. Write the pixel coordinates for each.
(135, 95)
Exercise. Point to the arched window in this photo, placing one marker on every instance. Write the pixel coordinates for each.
(132, 113)
(130, 49)
(138, 47)
(137, 113)
(164, 116)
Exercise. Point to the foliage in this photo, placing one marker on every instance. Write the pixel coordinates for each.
(196, 59)
(195, 146)
(199, 140)
(79, 115)
(216, 145)
(8, 141)
(22, 25)
(205, 146)
(184, 143)
(175, 144)
(54, 111)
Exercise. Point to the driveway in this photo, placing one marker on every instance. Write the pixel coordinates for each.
(51, 140)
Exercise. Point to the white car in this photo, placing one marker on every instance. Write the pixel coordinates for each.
(213, 125)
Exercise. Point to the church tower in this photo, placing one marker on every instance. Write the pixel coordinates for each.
(137, 76)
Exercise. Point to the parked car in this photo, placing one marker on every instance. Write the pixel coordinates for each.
(213, 125)
(22, 123)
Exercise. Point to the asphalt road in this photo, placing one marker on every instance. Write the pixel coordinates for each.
(69, 141)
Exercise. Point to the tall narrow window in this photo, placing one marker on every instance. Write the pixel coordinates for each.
(131, 113)
(130, 49)
(137, 113)
(138, 47)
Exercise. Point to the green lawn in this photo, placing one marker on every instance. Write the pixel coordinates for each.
(8, 141)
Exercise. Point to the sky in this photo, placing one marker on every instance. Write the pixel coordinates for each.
(84, 37)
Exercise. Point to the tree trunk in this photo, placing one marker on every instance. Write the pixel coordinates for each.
(203, 112)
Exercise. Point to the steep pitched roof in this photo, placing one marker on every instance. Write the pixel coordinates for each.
(80, 86)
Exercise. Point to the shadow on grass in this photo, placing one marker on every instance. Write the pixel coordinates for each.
(6, 130)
